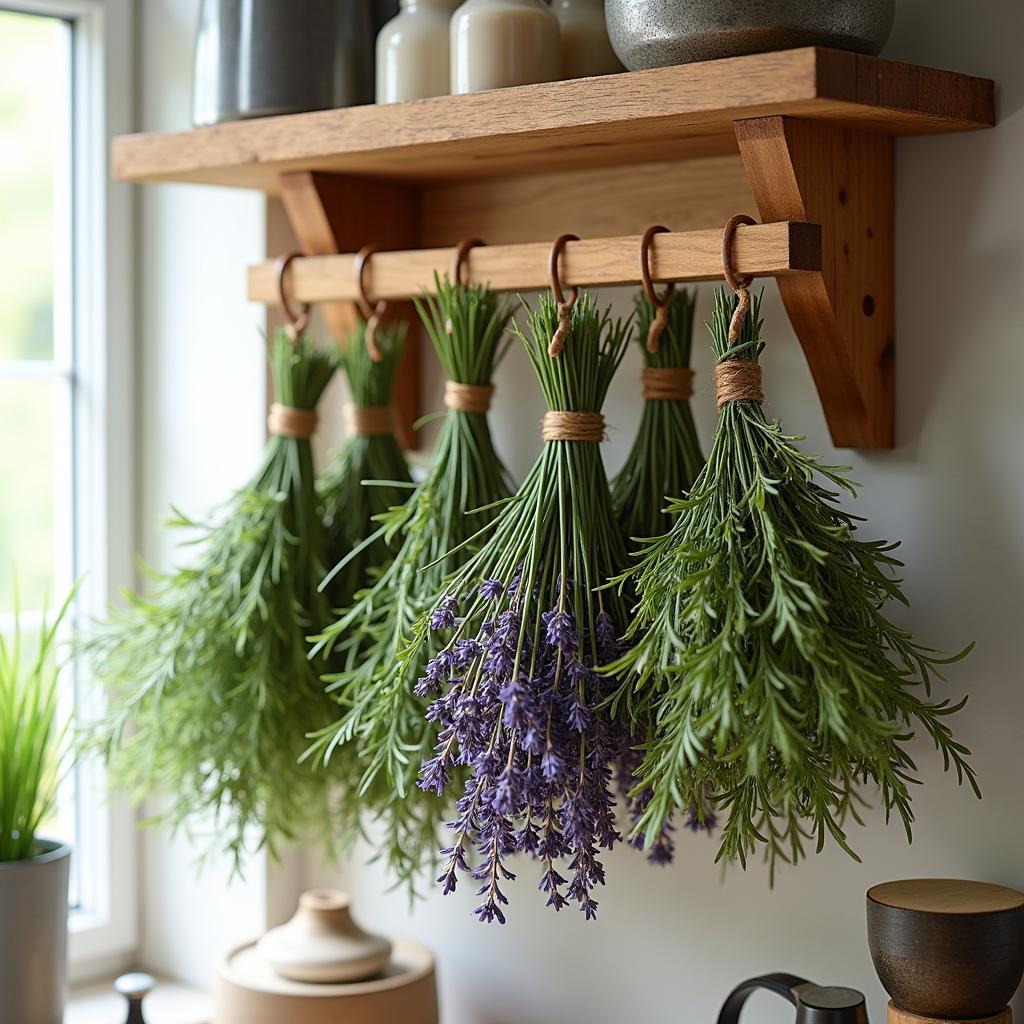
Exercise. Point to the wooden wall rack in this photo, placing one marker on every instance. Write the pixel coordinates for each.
(803, 136)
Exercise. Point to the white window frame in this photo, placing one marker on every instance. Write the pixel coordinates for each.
(104, 933)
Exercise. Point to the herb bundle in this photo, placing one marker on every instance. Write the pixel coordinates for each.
(371, 453)
(376, 746)
(666, 457)
(521, 705)
(762, 652)
(211, 689)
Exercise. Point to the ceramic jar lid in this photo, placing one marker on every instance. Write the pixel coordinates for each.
(322, 943)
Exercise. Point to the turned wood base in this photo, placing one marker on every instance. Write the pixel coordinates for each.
(898, 1016)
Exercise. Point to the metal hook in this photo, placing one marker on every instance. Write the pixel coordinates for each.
(370, 312)
(661, 305)
(564, 306)
(295, 323)
(459, 260)
(739, 283)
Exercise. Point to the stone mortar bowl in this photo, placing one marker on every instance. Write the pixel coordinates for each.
(947, 948)
(660, 33)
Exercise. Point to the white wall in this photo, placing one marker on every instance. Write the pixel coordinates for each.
(670, 942)
(201, 416)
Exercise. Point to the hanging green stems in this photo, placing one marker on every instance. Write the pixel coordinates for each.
(762, 652)
(517, 697)
(376, 746)
(211, 689)
(371, 453)
(666, 457)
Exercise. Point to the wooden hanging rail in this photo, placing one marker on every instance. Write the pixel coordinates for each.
(761, 250)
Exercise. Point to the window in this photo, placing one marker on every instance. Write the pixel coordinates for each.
(65, 491)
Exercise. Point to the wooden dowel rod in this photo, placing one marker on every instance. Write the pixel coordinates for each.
(761, 250)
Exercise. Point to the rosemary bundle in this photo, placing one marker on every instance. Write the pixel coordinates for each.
(762, 650)
(666, 457)
(521, 705)
(211, 689)
(371, 453)
(375, 748)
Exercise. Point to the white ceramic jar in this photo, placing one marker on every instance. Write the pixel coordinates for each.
(412, 52)
(586, 49)
(499, 43)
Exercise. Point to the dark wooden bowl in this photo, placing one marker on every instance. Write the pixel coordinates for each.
(947, 948)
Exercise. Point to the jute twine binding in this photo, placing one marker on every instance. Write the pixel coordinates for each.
(573, 426)
(564, 325)
(657, 328)
(289, 421)
(467, 397)
(667, 383)
(368, 420)
(738, 380)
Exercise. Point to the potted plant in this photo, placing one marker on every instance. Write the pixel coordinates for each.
(33, 870)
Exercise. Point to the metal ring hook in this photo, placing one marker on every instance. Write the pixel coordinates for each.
(556, 285)
(370, 312)
(295, 323)
(739, 283)
(564, 307)
(459, 260)
(661, 305)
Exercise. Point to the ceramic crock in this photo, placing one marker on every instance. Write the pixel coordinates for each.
(659, 33)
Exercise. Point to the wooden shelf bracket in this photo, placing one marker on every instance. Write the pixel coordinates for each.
(842, 179)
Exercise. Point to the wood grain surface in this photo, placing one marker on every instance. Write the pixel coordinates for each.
(762, 250)
(641, 116)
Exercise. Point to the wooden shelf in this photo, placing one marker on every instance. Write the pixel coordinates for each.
(664, 114)
(805, 135)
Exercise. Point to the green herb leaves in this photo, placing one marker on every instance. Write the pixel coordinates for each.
(210, 685)
(375, 747)
(761, 651)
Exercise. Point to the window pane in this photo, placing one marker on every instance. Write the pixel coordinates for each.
(35, 138)
(27, 476)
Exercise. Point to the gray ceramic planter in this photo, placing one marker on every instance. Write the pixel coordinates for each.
(659, 33)
(34, 936)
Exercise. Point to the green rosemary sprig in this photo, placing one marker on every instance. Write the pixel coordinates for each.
(211, 689)
(350, 508)
(666, 457)
(381, 737)
(779, 688)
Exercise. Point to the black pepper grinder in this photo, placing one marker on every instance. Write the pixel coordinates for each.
(815, 1004)
(134, 987)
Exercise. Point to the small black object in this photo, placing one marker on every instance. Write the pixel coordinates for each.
(135, 987)
(815, 1004)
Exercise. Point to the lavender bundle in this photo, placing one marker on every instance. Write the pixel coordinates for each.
(375, 748)
(762, 651)
(521, 705)
(666, 457)
(371, 453)
(211, 689)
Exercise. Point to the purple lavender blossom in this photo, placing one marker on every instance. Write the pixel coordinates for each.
(443, 616)
(522, 708)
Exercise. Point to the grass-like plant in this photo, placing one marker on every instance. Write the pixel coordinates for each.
(666, 457)
(33, 739)
(375, 747)
(350, 506)
(779, 689)
(210, 686)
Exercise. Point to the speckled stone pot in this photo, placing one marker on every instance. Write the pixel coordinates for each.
(659, 33)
